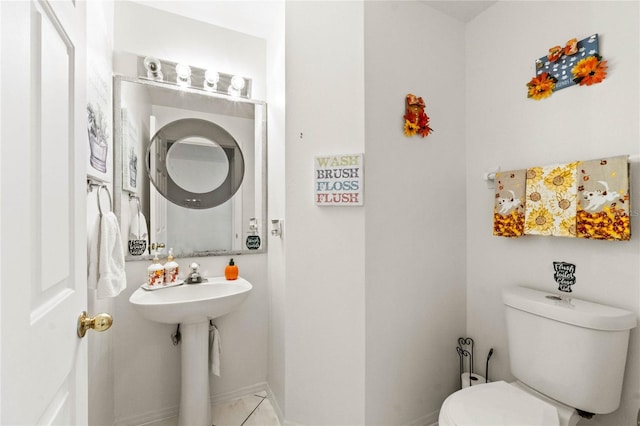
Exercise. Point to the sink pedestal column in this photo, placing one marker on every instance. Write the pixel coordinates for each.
(195, 403)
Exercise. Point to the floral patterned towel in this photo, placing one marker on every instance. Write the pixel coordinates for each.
(603, 199)
(551, 200)
(508, 211)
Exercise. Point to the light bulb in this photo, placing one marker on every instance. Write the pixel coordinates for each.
(211, 79)
(237, 82)
(183, 75)
(153, 67)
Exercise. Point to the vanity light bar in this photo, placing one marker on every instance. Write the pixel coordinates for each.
(197, 79)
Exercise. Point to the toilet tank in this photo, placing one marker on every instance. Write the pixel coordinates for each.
(571, 350)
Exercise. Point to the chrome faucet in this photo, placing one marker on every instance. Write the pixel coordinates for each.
(194, 276)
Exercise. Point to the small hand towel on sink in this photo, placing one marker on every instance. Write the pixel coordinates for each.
(508, 212)
(603, 199)
(214, 349)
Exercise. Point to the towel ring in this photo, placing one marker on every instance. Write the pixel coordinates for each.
(108, 195)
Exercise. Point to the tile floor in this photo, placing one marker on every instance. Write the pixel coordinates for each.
(251, 410)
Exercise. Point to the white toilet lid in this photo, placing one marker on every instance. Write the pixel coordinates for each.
(498, 404)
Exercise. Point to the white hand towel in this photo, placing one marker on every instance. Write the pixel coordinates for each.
(214, 349)
(94, 242)
(106, 258)
(138, 227)
(138, 235)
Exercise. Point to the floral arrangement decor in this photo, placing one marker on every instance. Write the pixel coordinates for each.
(416, 121)
(581, 57)
(590, 70)
(541, 86)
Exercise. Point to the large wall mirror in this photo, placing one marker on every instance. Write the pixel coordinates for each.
(192, 165)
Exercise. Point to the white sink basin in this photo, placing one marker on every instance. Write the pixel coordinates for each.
(191, 303)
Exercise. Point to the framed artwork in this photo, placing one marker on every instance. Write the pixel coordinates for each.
(130, 159)
(99, 95)
(339, 180)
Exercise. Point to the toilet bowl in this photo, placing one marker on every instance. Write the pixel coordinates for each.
(590, 339)
(504, 404)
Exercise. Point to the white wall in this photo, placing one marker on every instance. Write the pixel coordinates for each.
(100, 345)
(415, 212)
(325, 246)
(147, 373)
(506, 129)
(276, 204)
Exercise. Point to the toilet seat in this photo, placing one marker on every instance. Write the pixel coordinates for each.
(496, 404)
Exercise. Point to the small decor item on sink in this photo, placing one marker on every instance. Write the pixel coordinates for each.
(416, 121)
(171, 269)
(194, 276)
(578, 62)
(231, 271)
(155, 273)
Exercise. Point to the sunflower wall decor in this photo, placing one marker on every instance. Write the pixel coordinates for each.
(577, 62)
(416, 121)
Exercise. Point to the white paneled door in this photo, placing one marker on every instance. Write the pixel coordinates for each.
(43, 362)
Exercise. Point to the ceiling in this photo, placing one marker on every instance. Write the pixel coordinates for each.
(253, 17)
(463, 11)
(257, 18)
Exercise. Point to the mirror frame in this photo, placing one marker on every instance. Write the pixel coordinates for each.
(119, 193)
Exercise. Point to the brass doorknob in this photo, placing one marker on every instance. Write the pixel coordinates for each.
(154, 246)
(100, 322)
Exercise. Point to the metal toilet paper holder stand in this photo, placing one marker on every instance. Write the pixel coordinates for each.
(464, 353)
(465, 350)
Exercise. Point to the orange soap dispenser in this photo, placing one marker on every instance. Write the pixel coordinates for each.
(231, 271)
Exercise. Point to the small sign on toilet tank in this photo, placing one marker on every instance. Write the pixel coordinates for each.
(564, 275)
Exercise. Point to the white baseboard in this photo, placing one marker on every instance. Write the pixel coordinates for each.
(274, 403)
(148, 417)
(430, 419)
(239, 393)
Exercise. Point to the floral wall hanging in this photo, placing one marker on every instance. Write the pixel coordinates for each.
(416, 121)
(577, 62)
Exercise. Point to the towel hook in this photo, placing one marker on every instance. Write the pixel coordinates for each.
(135, 197)
(108, 195)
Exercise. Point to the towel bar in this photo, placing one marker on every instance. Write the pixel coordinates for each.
(490, 176)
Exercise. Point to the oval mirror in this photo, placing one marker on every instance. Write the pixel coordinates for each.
(195, 163)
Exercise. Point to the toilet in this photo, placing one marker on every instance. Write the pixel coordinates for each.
(568, 356)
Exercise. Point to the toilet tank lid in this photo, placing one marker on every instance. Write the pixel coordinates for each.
(568, 309)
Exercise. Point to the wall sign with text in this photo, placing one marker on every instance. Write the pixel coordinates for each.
(339, 180)
(564, 275)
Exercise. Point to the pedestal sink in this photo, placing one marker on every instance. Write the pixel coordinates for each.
(191, 306)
